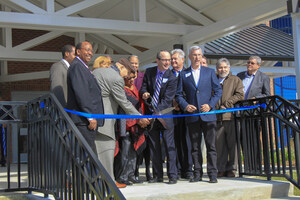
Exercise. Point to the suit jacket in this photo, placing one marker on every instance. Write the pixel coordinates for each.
(208, 91)
(139, 80)
(232, 92)
(260, 86)
(84, 93)
(58, 81)
(113, 94)
(167, 90)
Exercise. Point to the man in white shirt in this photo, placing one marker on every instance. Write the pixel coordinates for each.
(199, 91)
(58, 74)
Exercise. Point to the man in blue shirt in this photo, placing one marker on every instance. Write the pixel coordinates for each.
(256, 83)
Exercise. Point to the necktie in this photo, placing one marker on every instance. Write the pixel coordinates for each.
(157, 88)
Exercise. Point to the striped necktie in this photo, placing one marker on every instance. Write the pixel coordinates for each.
(157, 88)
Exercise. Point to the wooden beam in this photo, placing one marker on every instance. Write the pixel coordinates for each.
(50, 6)
(75, 8)
(78, 24)
(142, 11)
(24, 76)
(38, 40)
(38, 56)
(185, 10)
(120, 43)
(29, 6)
(260, 13)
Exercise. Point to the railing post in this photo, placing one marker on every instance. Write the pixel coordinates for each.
(238, 142)
(264, 125)
(297, 155)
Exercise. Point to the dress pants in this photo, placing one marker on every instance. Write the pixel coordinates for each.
(105, 151)
(144, 155)
(183, 148)
(125, 161)
(226, 146)
(209, 130)
(89, 135)
(155, 152)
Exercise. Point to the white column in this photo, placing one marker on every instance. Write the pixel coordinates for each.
(186, 47)
(142, 11)
(80, 37)
(296, 38)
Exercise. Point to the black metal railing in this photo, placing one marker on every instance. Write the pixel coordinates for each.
(268, 138)
(60, 162)
(12, 113)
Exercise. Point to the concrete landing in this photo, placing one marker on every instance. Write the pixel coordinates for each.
(226, 188)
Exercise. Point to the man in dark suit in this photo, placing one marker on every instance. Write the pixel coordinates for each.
(256, 84)
(160, 83)
(199, 91)
(58, 74)
(84, 93)
(181, 136)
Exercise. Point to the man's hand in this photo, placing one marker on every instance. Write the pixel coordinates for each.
(146, 95)
(143, 122)
(93, 124)
(205, 108)
(190, 108)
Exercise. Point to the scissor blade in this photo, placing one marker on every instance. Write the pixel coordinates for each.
(167, 110)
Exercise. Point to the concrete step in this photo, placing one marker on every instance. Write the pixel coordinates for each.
(226, 188)
(23, 196)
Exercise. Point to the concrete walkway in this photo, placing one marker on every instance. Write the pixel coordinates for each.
(226, 188)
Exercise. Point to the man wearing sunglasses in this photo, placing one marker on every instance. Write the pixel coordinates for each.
(256, 83)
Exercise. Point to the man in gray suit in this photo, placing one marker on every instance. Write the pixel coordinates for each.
(111, 81)
(58, 74)
(256, 83)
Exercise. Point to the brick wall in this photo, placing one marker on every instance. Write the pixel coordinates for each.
(15, 67)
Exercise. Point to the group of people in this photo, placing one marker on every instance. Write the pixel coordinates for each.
(168, 88)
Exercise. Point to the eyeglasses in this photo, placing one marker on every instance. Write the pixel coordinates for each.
(252, 63)
(130, 78)
(88, 50)
(165, 60)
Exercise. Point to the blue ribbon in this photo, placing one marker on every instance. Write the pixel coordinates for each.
(104, 116)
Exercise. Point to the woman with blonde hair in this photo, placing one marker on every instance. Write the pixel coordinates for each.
(101, 61)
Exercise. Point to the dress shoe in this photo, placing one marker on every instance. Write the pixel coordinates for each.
(125, 182)
(172, 181)
(156, 180)
(188, 176)
(120, 185)
(213, 180)
(196, 179)
(148, 178)
(134, 180)
(220, 174)
(230, 174)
